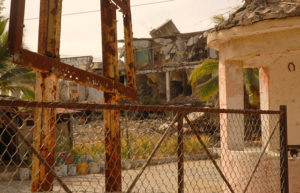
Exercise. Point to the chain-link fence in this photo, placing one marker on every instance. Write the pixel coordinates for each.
(156, 149)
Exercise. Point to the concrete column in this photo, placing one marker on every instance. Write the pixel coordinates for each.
(264, 102)
(168, 89)
(268, 122)
(231, 90)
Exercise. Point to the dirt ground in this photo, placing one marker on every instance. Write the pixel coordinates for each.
(200, 176)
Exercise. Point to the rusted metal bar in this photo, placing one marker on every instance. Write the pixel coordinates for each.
(155, 108)
(16, 21)
(44, 132)
(260, 158)
(284, 176)
(64, 71)
(208, 154)
(128, 38)
(113, 177)
(137, 177)
(34, 151)
(180, 155)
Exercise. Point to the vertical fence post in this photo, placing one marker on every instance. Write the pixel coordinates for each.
(180, 155)
(113, 178)
(16, 22)
(128, 37)
(284, 177)
(44, 132)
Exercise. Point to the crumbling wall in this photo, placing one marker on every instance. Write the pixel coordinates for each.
(196, 49)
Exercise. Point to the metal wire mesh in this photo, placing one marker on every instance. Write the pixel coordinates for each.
(161, 149)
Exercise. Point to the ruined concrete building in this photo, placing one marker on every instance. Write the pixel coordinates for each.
(163, 65)
(164, 62)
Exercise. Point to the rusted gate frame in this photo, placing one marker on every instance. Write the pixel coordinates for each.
(180, 154)
(260, 157)
(44, 131)
(47, 64)
(284, 186)
(208, 154)
(64, 71)
(34, 151)
(113, 169)
(20, 103)
(284, 176)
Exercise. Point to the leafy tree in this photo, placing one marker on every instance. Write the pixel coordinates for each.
(14, 79)
(209, 89)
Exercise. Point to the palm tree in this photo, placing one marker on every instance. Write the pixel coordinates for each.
(14, 79)
(209, 89)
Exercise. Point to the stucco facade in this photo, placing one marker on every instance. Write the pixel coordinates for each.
(273, 46)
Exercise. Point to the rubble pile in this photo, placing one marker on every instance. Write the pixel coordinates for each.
(259, 10)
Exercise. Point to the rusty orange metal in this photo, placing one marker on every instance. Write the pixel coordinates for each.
(44, 132)
(130, 66)
(16, 21)
(64, 71)
(45, 62)
(49, 69)
(113, 177)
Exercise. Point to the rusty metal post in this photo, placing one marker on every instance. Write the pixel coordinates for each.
(16, 22)
(180, 155)
(44, 133)
(111, 117)
(284, 177)
(128, 37)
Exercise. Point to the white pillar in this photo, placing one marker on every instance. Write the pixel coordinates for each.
(268, 122)
(231, 91)
(168, 89)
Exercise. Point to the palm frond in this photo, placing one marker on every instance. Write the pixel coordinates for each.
(18, 75)
(3, 25)
(4, 52)
(208, 89)
(20, 91)
(218, 19)
(207, 67)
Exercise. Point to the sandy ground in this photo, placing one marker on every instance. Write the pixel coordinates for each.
(200, 176)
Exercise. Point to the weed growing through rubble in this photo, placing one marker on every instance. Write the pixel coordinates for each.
(141, 148)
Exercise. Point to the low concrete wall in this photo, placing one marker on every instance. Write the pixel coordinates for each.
(294, 175)
(239, 165)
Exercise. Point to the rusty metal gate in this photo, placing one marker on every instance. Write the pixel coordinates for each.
(47, 146)
(49, 69)
(163, 148)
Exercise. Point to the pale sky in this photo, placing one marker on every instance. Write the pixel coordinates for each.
(81, 33)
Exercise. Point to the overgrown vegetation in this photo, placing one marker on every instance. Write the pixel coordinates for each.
(15, 80)
(136, 148)
(209, 89)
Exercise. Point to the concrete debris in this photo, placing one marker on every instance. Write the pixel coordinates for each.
(258, 10)
(166, 29)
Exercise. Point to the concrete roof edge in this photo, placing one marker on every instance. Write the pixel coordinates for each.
(216, 38)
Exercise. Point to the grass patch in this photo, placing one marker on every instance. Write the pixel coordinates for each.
(141, 148)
